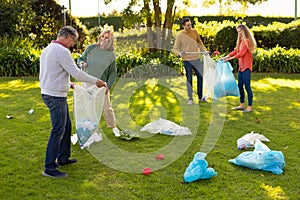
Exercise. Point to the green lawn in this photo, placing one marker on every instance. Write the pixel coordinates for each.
(112, 168)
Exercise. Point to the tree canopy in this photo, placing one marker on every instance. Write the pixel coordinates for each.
(226, 4)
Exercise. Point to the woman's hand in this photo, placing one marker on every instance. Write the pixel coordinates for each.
(82, 64)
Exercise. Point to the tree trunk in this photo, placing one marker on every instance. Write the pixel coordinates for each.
(150, 34)
(168, 23)
(157, 17)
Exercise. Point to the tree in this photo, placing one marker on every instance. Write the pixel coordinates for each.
(229, 3)
(158, 23)
(38, 20)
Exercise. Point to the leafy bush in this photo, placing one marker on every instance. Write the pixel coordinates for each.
(277, 59)
(226, 39)
(278, 34)
(18, 62)
(209, 31)
(249, 20)
(18, 58)
(144, 59)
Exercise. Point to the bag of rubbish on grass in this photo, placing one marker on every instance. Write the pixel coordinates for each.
(88, 106)
(166, 127)
(248, 140)
(198, 169)
(209, 76)
(225, 83)
(261, 158)
(128, 134)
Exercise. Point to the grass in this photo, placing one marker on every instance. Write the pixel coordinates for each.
(112, 168)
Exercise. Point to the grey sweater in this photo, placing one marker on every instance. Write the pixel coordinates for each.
(56, 67)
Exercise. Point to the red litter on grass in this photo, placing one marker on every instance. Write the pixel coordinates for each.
(147, 171)
(160, 157)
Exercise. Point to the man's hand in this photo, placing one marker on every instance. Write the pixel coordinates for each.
(100, 83)
(181, 54)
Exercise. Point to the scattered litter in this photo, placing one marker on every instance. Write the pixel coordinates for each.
(166, 127)
(147, 171)
(248, 140)
(198, 169)
(257, 120)
(128, 134)
(74, 139)
(261, 158)
(95, 137)
(30, 111)
(9, 116)
(160, 157)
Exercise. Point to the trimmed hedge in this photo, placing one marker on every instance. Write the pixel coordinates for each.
(17, 62)
(284, 35)
(222, 36)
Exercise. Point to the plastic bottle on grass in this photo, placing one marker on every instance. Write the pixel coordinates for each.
(30, 111)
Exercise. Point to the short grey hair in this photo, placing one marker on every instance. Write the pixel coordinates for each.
(67, 30)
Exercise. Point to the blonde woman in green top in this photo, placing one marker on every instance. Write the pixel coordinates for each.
(99, 60)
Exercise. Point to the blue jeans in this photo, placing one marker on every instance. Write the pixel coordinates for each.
(197, 66)
(59, 142)
(244, 78)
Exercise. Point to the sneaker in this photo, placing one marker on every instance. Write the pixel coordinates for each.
(190, 102)
(203, 100)
(54, 173)
(66, 162)
(116, 132)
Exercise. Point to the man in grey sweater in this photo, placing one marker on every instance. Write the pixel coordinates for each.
(56, 67)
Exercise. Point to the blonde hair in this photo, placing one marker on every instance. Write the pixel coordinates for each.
(109, 45)
(246, 35)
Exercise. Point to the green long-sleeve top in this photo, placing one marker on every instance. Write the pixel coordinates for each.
(101, 63)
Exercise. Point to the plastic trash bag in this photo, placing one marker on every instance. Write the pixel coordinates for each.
(166, 127)
(209, 76)
(88, 106)
(248, 140)
(225, 83)
(261, 158)
(198, 169)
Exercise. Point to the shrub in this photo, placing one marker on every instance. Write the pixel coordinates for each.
(278, 34)
(126, 62)
(226, 39)
(18, 58)
(277, 59)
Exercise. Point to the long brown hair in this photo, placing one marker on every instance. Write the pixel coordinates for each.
(246, 35)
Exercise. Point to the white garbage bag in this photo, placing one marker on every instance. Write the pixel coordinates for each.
(209, 75)
(88, 106)
(248, 140)
(166, 127)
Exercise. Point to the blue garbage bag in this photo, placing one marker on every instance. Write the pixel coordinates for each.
(198, 169)
(225, 83)
(261, 158)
